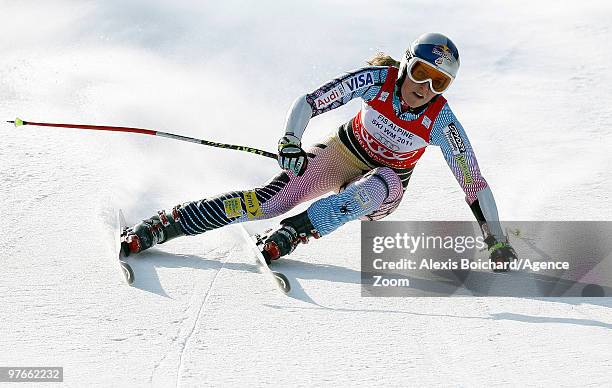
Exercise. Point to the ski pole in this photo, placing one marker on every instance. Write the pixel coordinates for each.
(19, 122)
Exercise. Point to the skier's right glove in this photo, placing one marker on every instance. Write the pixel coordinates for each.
(291, 156)
(502, 252)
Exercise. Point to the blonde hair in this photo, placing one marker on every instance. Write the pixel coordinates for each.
(382, 59)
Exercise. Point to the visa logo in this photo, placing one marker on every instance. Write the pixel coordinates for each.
(359, 81)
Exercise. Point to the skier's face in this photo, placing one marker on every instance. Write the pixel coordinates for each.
(416, 95)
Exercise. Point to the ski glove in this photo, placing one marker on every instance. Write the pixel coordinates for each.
(291, 156)
(502, 252)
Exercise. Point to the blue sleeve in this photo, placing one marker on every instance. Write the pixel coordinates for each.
(449, 135)
(365, 83)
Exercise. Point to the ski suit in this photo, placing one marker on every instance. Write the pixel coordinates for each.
(367, 163)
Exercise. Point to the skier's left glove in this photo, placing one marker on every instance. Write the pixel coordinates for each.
(291, 156)
(502, 252)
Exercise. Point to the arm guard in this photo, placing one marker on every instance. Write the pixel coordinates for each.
(485, 211)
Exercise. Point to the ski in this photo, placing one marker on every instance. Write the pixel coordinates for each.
(126, 269)
(255, 242)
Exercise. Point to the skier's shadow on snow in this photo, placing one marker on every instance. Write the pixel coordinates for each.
(147, 279)
(146, 266)
(458, 283)
(346, 275)
(479, 283)
(332, 273)
(441, 283)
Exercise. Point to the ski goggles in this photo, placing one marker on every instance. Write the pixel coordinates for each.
(420, 71)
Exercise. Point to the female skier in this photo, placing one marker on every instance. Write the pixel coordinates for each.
(367, 163)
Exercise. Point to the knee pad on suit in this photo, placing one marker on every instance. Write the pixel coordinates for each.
(358, 199)
(396, 192)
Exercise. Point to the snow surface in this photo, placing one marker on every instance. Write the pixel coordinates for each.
(533, 94)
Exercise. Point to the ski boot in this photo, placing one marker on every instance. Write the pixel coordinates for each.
(155, 230)
(293, 231)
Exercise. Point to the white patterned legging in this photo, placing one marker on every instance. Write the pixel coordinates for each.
(360, 193)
